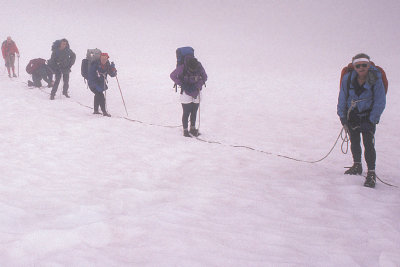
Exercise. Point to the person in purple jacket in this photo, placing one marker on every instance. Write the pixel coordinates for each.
(191, 77)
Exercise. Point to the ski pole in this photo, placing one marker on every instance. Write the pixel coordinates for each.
(198, 127)
(105, 92)
(123, 101)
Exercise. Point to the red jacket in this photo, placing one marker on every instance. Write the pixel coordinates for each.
(9, 48)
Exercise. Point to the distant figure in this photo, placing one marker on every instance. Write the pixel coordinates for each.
(9, 49)
(362, 100)
(191, 77)
(39, 70)
(97, 81)
(61, 61)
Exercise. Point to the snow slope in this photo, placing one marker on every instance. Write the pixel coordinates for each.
(82, 190)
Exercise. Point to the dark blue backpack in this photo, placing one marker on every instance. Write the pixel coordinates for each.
(182, 52)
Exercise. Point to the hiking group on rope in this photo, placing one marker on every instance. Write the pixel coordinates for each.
(361, 101)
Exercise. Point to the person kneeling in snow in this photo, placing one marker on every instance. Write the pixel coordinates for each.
(40, 70)
(191, 77)
(97, 81)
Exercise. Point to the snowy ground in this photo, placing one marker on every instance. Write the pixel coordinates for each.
(78, 189)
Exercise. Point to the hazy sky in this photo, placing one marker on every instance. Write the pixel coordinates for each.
(263, 31)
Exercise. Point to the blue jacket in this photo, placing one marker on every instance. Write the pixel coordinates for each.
(97, 77)
(372, 98)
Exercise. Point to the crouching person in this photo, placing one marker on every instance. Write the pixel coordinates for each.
(39, 70)
(97, 81)
(191, 77)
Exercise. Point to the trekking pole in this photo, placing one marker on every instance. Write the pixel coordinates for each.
(123, 101)
(198, 127)
(105, 93)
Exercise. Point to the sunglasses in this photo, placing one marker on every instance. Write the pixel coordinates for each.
(361, 65)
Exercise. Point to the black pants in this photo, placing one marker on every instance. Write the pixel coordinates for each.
(65, 76)
(189, 110)
(369, 146)
(40, 74)
(99, 100)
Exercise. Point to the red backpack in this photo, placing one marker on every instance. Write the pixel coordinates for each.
(350, 68)
(34, 64)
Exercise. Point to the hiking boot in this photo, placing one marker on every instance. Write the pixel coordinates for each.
(66, 95)
(14, 75)
(51, 97)
(9, 75)
(186, 133)
(370, 180)
(355, 169)
(96, 112)
(30, 83)
(193, 131)
(106, 114)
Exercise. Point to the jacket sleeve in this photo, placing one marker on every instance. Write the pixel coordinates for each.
(176, 75)
(3, 50)
(16, 49)
(203, 74)
(342, 100)
(72, 58)
(112, 71)
(379, 102)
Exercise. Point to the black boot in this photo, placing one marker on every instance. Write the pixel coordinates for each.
(194, 132)
(355, 169)
(370, 180)
(51, 97)
(186, 133)
(30, 83)
(96, 112)
(105, 113)
(66, 94)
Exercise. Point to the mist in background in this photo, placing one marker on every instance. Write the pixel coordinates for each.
(286, 38)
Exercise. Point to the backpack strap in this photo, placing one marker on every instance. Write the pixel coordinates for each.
(348, 82)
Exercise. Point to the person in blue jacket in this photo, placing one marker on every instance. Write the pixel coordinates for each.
(97, 81)
(361, 102)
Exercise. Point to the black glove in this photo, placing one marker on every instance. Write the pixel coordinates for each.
(367, 126)
(113, 69)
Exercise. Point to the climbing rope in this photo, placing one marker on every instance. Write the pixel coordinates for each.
(343, 134)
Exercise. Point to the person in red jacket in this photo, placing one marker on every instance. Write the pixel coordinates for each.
(9, 49)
